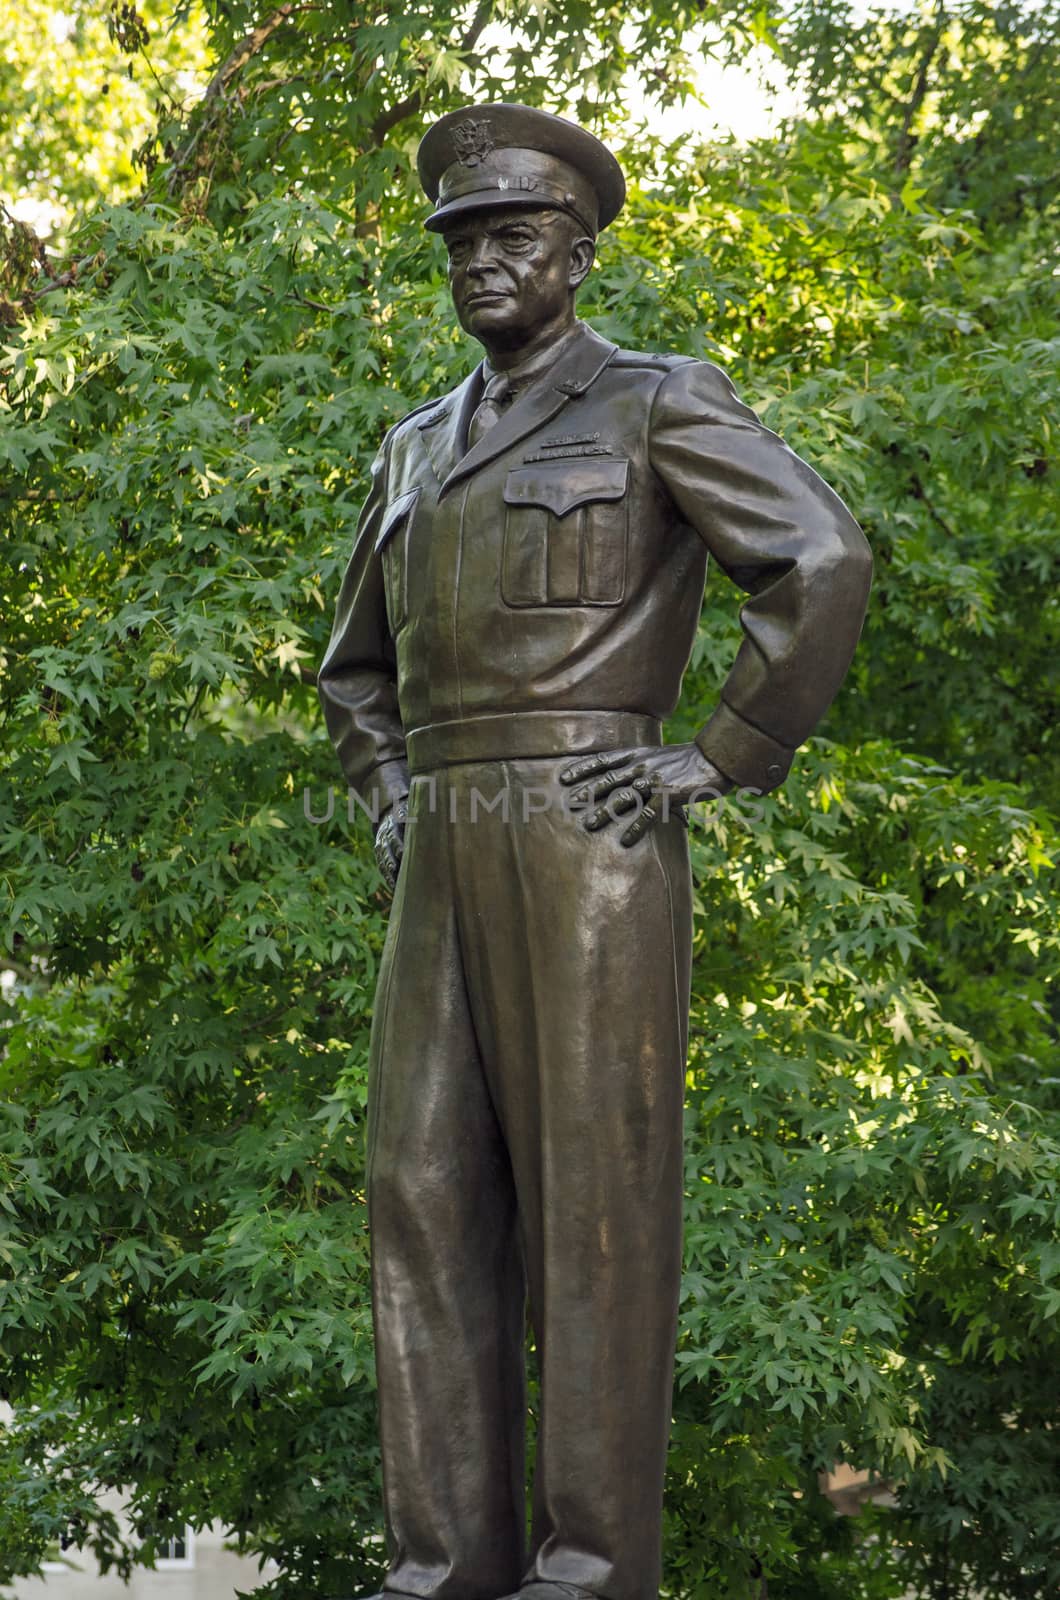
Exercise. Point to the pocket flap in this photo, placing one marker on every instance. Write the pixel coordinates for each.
(567, 484)
(396, 511)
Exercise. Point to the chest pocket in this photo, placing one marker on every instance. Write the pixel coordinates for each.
(393, 545)
(566, 530)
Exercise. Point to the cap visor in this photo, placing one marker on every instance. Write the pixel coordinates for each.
(486, 200)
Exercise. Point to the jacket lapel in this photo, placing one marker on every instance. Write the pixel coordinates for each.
(579, 366)
(444, 429)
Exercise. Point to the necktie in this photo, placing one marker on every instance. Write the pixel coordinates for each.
(496, 398)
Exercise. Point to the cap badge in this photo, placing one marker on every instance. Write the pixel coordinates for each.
(473, 141)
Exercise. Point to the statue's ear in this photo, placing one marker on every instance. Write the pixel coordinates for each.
(582, 256)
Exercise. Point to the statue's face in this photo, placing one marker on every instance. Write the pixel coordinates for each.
(512, 271)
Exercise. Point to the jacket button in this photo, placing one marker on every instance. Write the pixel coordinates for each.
(773, 771)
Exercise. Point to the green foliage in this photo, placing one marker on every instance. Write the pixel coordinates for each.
(83, 86)
(872, 1241)
(859, 1238)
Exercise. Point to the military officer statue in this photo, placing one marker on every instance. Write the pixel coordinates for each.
(517, 613)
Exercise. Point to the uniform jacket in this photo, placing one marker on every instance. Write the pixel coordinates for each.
(559, 567)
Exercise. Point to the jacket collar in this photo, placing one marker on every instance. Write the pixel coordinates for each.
(444, 431)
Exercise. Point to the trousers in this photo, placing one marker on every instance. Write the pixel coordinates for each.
(524, 1149)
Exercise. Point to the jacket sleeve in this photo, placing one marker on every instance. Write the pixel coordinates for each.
(778, 531)
(357, 682)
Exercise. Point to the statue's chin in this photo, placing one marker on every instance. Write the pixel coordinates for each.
(494, 324)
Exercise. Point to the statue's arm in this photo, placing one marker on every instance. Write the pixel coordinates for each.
(787, 540)
(357, 682)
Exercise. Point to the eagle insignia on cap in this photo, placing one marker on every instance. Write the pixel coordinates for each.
(473, 141)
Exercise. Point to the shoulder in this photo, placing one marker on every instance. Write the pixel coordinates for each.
(649, 361)
(699, 391)
(402, 429)
(684, 384)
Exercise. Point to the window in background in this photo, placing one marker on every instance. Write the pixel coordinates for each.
(176, 1554)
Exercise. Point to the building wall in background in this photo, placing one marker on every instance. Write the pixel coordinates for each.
(208, 1572)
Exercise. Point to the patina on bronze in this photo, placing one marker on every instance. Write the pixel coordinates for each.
(513, 626)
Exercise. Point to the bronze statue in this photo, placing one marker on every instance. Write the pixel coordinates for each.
(513, 626)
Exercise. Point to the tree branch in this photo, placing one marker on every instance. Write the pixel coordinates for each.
(248, 47)
(920, 493)
(411, 103)
(907, 139)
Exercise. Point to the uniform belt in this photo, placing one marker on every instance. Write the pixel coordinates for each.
(517, 734)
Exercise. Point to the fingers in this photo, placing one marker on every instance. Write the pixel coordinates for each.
(620, 799)
(399, 817)
(610, 785)
(642, 823)
(388, 849)
(639, 827)
(385, 861)
(612, 777)
(589, 766)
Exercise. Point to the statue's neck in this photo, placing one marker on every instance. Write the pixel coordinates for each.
(527, 360)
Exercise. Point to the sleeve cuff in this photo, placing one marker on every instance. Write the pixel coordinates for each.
(385, 784)
(746, 755)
